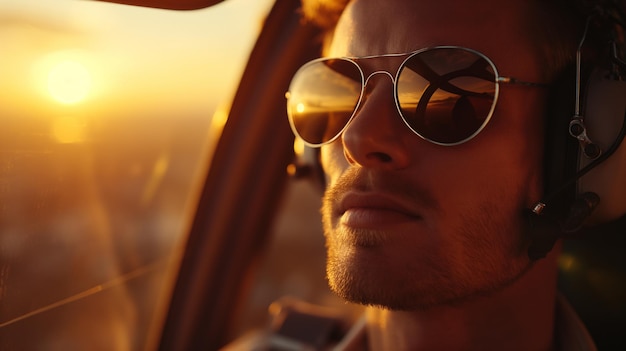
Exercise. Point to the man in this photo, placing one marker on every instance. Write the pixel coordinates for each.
(431, 233)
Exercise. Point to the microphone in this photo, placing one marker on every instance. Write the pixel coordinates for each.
(545, 230)
(581, 208)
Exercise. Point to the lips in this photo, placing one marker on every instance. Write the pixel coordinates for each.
(375, 211)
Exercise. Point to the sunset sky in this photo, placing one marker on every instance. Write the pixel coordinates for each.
(107, 58)
(109, 116)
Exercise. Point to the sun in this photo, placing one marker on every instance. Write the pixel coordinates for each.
(69, 82)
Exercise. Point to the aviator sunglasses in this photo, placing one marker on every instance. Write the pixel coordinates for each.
(444, 94)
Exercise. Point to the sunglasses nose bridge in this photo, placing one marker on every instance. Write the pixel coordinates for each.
(365, 94)
(376, 73)
(370, 76)
(364, 91)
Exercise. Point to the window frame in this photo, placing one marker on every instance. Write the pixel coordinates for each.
(243, 189)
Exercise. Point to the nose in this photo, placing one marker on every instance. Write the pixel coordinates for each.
(377, 137)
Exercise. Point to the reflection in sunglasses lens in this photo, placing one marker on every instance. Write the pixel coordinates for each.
(446, 94)
(323, 96)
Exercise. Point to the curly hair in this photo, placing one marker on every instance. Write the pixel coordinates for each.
(324, 14)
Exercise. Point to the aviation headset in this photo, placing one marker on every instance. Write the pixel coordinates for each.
(585, 159)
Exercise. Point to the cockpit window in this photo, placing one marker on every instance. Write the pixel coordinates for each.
(109, 117)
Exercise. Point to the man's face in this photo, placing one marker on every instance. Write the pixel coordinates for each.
(410, 224)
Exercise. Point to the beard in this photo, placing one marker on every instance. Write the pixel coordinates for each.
(439, 262)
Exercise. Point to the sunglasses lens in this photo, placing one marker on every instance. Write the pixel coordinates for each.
(322, 98)
(447, 95)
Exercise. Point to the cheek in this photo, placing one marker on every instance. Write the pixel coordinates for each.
(520, 115)
(530, 125)
(333, 161)
(518, 157)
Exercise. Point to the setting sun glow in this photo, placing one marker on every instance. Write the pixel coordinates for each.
(69, 82)
(300, 108)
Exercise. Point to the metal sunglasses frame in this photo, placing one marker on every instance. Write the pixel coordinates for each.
(394, 78)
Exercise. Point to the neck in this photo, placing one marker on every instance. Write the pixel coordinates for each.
(518, 317)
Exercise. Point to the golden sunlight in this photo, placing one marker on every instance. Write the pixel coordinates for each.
(300, 108)
(68, 130)
(69, 82)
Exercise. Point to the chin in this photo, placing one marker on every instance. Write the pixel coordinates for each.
(370, 283)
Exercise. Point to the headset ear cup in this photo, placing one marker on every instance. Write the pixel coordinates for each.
(604, 109)
(604, 116)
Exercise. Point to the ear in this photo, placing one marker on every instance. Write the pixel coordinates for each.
(168, 4)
